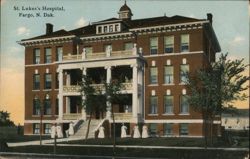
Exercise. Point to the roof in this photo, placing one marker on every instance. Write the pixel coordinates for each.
(58, 33)
(124, 8)
(237, 113)
(131, 24)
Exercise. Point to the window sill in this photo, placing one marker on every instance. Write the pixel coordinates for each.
(184, 114)
(35, 90)
(152, 114)
(166, 114)
(47, 89)
(36, 115)
(170, 84)
(153, 85)
(47, 115)
(182, 83)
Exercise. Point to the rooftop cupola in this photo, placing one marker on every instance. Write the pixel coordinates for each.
(125, 12)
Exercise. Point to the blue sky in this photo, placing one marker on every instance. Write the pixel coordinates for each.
(230, 22)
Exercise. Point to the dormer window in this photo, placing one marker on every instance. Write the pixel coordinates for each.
(108, 28)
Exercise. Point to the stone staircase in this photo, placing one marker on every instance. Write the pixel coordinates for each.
(82, 130)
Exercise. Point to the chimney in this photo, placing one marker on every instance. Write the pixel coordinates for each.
(49, 28)
(210, 18)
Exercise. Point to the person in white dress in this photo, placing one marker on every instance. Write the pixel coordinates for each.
(71, 129)
(101, 132)
(136, 132)
(59, 131)
(144, 131)
(53, 132)
(123, 131)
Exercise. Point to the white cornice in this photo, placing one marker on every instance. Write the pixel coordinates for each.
(106, 36)
(169, 25)
(111, 21)
(45, 40)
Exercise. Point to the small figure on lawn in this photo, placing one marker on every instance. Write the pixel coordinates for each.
(59, 131)
(101, 132)
(136, 132)
(123, 131)
(144, 131)
(53, 131)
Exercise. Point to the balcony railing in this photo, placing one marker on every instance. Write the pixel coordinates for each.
(77, 88)
(72, 116)
(123, 116)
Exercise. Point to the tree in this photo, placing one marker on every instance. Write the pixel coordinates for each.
(213, 89)
(5, 119)
(92, 99)
(114, 96)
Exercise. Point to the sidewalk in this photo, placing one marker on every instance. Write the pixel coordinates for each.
(51, 141)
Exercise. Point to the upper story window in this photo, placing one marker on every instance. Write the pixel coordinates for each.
(36, 56)
(107, 46)
(108, 28)
(57, 107)
(57, 81)
(169, 44)
(117, 28)
(168, 75)
(47, 81)
(89, 50)
(111, 28)
(36, 81)
(168, 104)
(36, 106)
(168, 129)
(59, 53)
(47, 107)
(99, 29)
(153, 75)
(185, 43)
(184, 73)
(153, 105)
(184, 106)
(128, 46)
(48, 55)
(153, 45)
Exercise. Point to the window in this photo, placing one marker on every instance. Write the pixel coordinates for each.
(47, 82)
(36, 82)
(105, 29)
(47, 128)
(169, 44)
(185, 43)
(48, 56)
(153, 75)
(183, 73)
(111, 28)
(88, 50)
(168, 129)
(153, 45)
(36, 128)
(36, 56)
(153, 105)
(168, 104)
(47, 107)
(99, 29)
(168, 75)
(184, 129)
(128, 46)
(184, 109)
(107, 46)
(36, 106)
(59, 53)
(153, 129)
(57, 81)
(57, 107)
(117, 28)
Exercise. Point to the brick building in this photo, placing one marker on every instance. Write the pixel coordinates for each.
(152, 55)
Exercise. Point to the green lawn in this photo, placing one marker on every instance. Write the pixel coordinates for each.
(189, 142)
(21, 138)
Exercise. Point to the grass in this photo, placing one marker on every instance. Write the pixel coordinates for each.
(134, 152)
(21, 138)
(189, 142)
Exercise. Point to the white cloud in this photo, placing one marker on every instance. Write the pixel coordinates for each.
(237, 40)
(63, 27)
(81, 22)
(23, 31)
(191, 16)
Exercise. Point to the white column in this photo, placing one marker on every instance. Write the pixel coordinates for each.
(68, 79)
(84, 115)
(135, 92)
(67, 105)
(140, 90)
(108, 80)
(60, 99)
